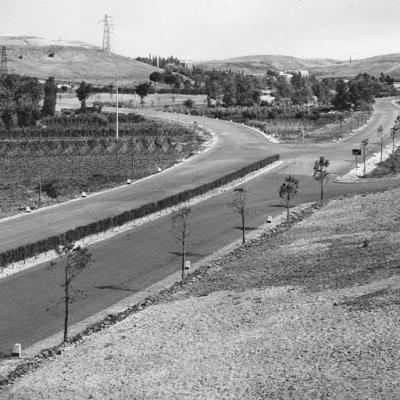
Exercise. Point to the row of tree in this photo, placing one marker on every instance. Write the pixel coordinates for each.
(287, 191)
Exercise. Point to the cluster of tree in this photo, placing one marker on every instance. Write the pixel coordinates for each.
(360, 92)
(20, 99)
(232, 89)
(162, 61)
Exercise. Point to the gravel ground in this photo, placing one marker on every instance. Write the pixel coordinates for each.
(310, 313)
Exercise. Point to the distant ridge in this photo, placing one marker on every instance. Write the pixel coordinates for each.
(71, 61)
(323, 67)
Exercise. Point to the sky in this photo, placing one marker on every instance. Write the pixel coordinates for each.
(215, 29)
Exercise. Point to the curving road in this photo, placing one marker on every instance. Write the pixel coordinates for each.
(129, 262)
(236, 147)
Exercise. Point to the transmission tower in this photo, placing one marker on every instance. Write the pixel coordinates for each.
(108, 30)
(4, 60)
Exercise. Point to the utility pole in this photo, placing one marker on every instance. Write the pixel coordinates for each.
(117, 122)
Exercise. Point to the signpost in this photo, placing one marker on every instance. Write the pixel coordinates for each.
(356, 153)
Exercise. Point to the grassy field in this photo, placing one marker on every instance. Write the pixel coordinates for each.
(72, 62)
(69, 100)
(310, 312)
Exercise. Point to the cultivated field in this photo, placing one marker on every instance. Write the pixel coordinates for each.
(308, 312)
(80, 153)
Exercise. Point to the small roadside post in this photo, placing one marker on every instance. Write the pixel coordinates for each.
(364, 145)
(356, 153)
(380, 132)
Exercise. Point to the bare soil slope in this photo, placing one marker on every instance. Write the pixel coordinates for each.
(309, 313)
(71, 61)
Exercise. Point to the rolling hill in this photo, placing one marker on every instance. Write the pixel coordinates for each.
(259, 64)
(71, 61)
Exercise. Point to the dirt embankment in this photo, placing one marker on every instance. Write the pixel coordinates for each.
(311, 312)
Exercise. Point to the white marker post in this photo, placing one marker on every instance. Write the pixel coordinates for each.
(17, 350)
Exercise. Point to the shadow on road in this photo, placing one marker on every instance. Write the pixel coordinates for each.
(188, 253)
(247, 228)
(117, 287)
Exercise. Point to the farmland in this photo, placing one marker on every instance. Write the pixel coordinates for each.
(80, 153)
(155, 100)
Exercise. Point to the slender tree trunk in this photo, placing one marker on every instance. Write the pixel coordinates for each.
(243, 228)
(66, 297)
(132, 165)
(287, 209)
(322, 188)
(381, 147)
(364, 161)
(183, 259)
(40, 193)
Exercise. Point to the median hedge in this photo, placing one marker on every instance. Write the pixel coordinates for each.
(51, 243)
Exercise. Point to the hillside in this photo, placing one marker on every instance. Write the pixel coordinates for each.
(71, 61)
(259, 64)
(305, 312)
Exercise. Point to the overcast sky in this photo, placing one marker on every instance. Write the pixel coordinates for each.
(215, 29)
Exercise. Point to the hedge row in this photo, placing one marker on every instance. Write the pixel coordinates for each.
(51, 243)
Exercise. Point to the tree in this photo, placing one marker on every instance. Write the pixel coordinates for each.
(83, 93)
(50, 97)
(76, 260)
(52, 188)
(188, 103)
(342, 99)
(170, 78)
(155, 77)
(142, 91)
(180, 231)
(288, 191)
(364, 145)
(320, 172)
(239, 205)
(20, 100)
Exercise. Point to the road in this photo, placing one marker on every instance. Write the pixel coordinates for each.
(30, 300)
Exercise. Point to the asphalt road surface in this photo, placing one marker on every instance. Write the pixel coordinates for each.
(30, 300)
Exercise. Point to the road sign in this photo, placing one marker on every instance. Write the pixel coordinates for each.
(356, 152)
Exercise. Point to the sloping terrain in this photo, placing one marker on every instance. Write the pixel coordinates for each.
(71, 61)
(260, 64)
(388, 64)
(310, 312)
